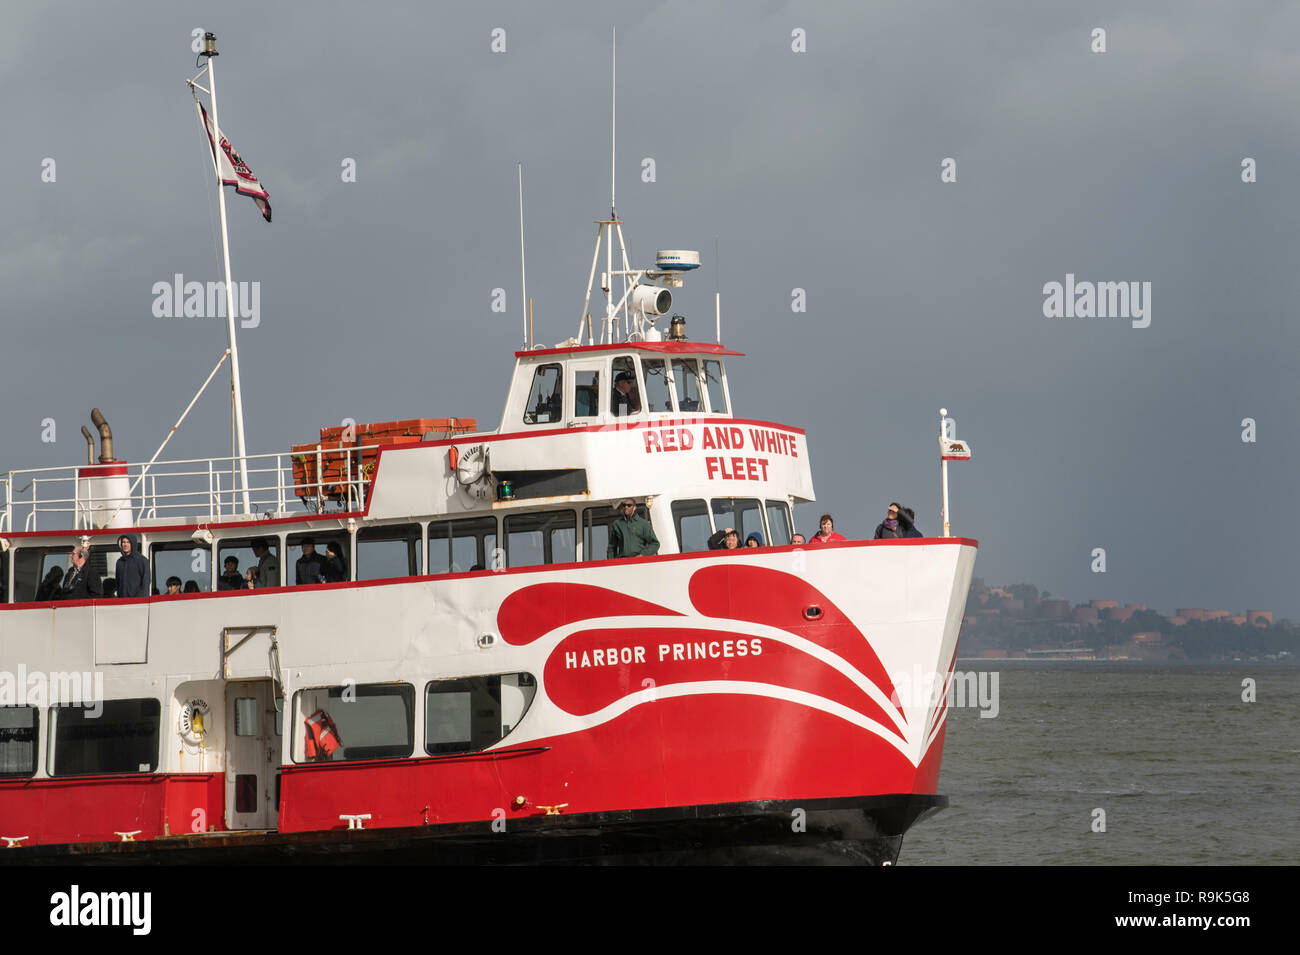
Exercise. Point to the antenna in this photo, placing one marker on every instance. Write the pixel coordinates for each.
(717, 293)
(613, 112)
(523, 275)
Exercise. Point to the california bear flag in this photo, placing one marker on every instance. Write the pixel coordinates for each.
(234, 171)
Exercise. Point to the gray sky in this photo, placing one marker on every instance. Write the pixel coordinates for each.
(817, 170)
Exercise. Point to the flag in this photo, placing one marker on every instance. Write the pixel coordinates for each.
(951, 449)
(234, 171)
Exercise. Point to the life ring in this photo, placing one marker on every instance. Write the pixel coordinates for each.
(472, 465)
(191, 722)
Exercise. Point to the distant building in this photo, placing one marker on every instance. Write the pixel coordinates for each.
(1054, 609)
(1190, 613)
(1217, 614)
(1117, 613)
(1102, 604)
(1239, 620)
(1177, 620)
(1149, 637)
(1259, 618)
(1084, 615)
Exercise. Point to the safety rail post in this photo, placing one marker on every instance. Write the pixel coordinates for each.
(320, 485)
(279, 481)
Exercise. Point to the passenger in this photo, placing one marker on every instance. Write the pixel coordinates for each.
(250, 578)
(755, 539)
(797, 540)
(336, 568)
(724, 538)
(911, 517)
(310, 568)
(827, 533)
(895, 524)
(231, 578)
(132, 569)
(173, 586)
(49, 588)
(630, 534)
(79, 583)
(191, 587)
(623, 401)
(268, 568)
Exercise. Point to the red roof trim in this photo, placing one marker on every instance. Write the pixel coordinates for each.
(671, 348)
(310, 521)
(538, 568)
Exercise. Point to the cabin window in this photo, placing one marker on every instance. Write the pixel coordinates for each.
(4, 577)
(595, 529)
(242, 551)
(586, 394)
(778, 521)
(713, 383)
(471, 713)
(372, 721)
(548, 537)
(188, 561)
(657, 396)
(392, 551)
(686, 377)
(38, 572)
(19, 730)
(744, 514)
(619, 405)
(691, 518)
(300, 574)
(545, 399)
(123, 738)
(459, 546)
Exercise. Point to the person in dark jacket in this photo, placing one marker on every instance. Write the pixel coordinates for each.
(132, 568)
(336, 568)
(724, 538)
(631, 535)
(911, 517)
(231, 578)
(49, 588)
(624, 399)
(310, 568)
(80, 583)
(895, 524)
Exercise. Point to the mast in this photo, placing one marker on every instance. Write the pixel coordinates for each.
(237, 399)
(523, 276)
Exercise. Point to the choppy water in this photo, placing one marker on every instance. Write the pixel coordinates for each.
(1186, 772)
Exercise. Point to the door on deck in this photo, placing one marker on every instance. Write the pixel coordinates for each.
(253, 730)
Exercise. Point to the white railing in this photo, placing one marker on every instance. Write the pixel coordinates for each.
(202, 489)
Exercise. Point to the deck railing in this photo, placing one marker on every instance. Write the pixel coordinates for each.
(197, 489)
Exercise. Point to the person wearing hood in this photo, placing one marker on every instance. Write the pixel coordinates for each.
(895, 524)
(754, 540)
(132, 568)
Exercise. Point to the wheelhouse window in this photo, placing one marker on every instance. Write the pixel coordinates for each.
(658, 397)
(361, 721)
(586, 394)
(713, 384)
(318, 564)
(471, 713)
(123, 738)
(548, 537)
(392, 551)
(778, 521)
(459, 546)
(691, 518)
(19, 730)
(4, 577)
(39, 571)
(189, 561)
(625, 399)
(744, 514)
(545, 399)
(686, 378)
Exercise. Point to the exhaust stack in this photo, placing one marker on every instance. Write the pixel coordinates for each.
(105, 436)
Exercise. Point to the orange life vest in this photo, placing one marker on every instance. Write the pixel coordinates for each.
(322, 737)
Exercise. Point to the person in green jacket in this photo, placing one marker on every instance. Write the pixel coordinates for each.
(631, 535)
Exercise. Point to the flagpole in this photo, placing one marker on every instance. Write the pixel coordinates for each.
(943, 465)
(210, 51)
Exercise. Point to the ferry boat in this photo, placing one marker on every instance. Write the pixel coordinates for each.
(481, 675)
